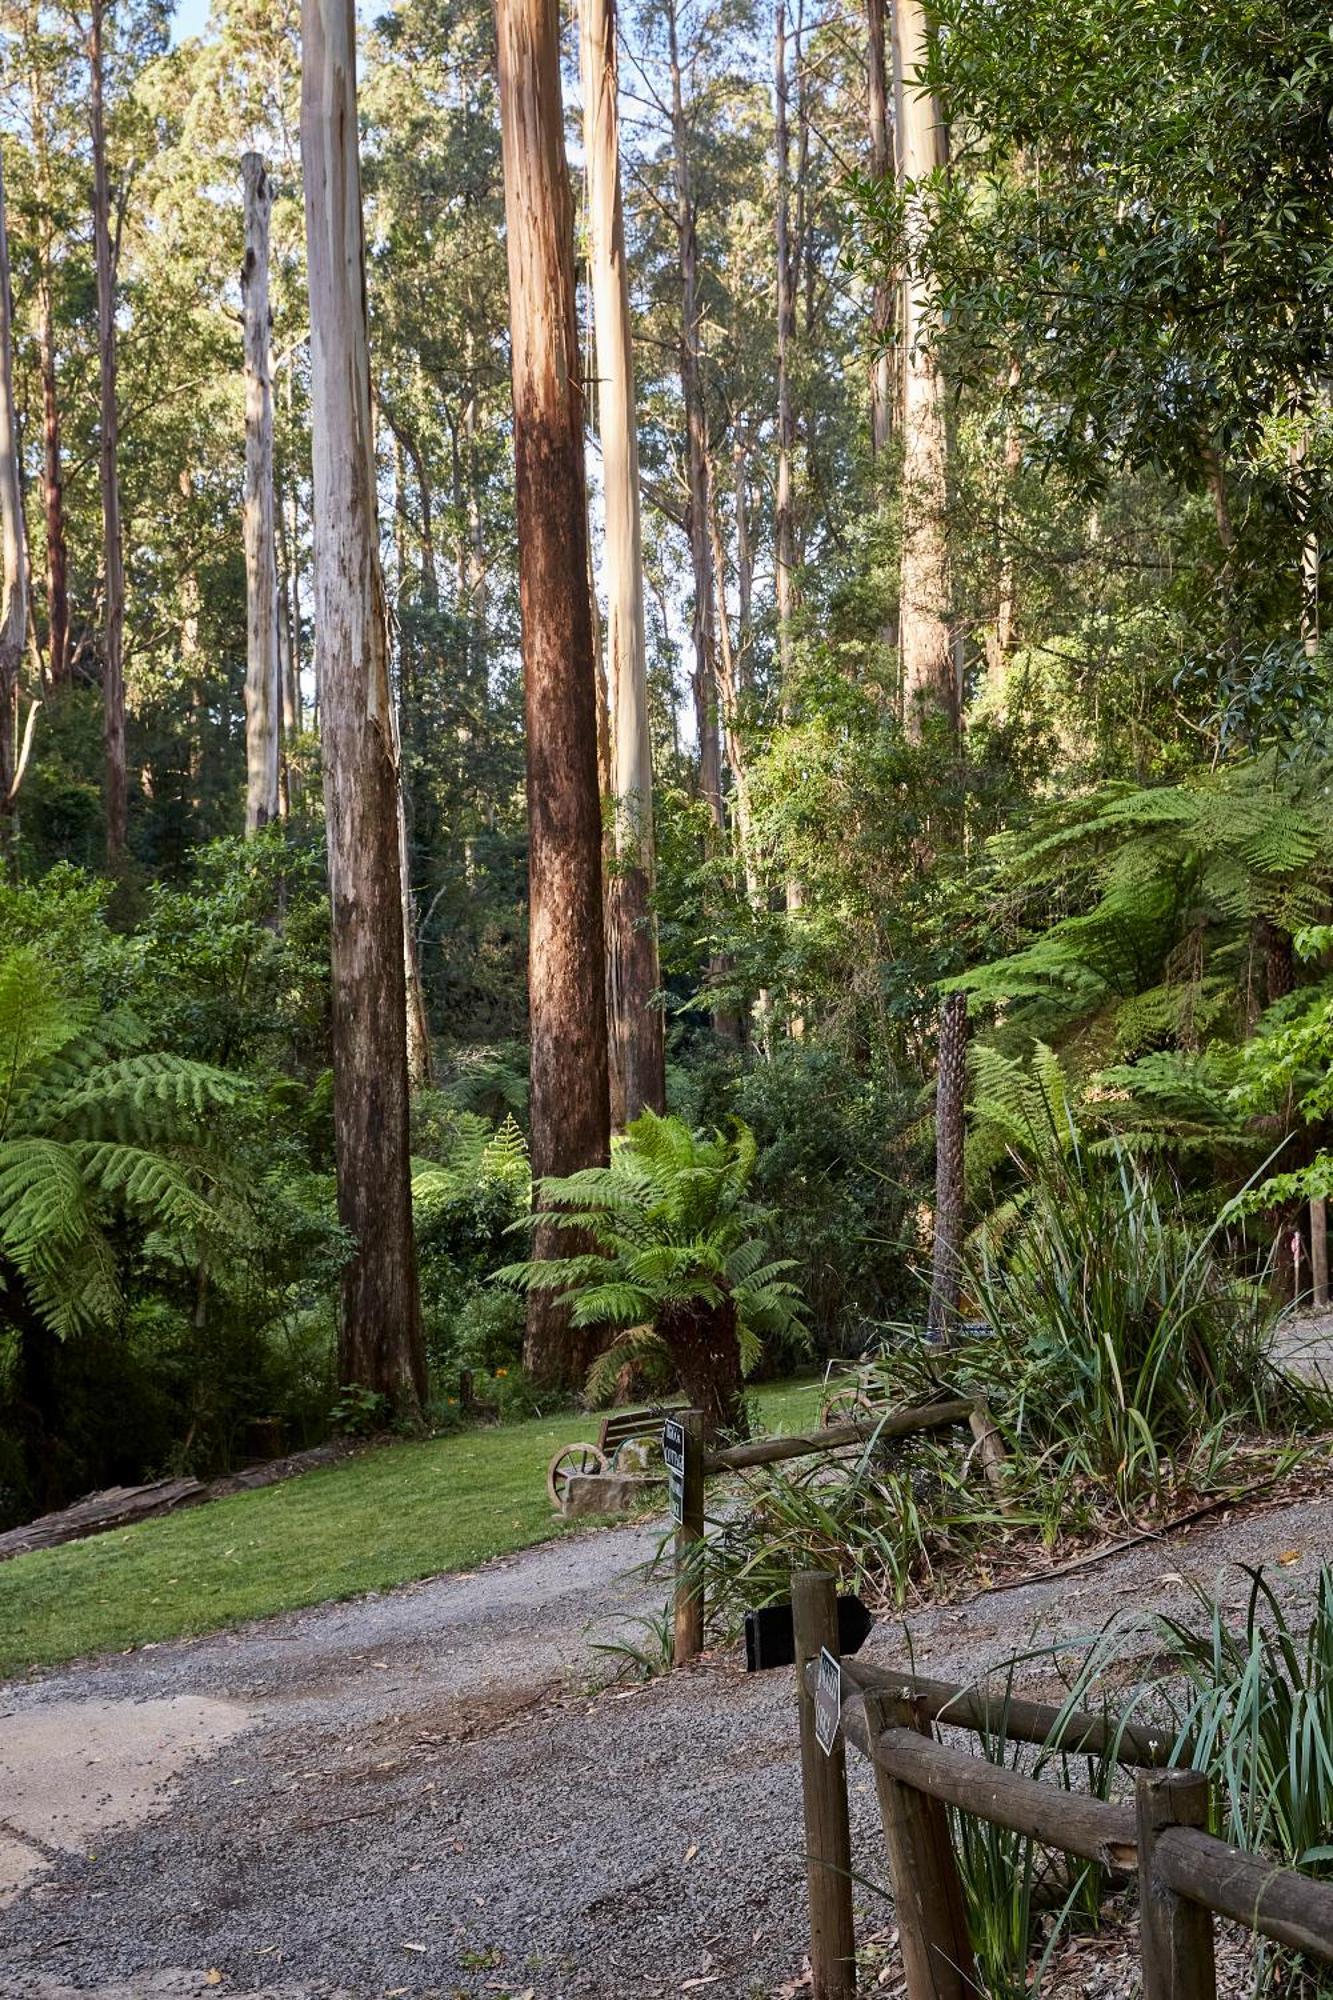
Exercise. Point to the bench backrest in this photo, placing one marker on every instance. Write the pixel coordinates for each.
(619, 1426)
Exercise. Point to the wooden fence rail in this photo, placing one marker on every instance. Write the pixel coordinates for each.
(689, 1600)
(1186, 1876)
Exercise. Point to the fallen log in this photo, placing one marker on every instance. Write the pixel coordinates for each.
(114, 1507)
(122, 1506)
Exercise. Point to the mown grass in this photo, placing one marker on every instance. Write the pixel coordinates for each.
(397, 1513)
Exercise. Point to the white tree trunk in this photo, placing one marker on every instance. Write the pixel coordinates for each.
(108, 446)
(881, 166)
(13, 565)
(638, 1064)
(929, 680)
(380, 1340)
(263, 702)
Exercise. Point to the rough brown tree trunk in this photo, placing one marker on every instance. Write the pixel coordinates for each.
(570, 1125)
(113, 560)
(706, 1356)
(380, 1340)
(13, 560)
(262, 693)
(637, 1049)
(928, 671)
(950, 1131)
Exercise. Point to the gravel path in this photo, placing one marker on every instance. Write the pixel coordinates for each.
(425, 1793)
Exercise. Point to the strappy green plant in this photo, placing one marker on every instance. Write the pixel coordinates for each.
(677, 1256)
(96, 1131)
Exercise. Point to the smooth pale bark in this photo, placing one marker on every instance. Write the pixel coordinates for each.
(698, 501)
(928, 668)
(704, 621)
(569, 1104)
(379, 1336)
(881, 166)
(637, 1049)
(263, 699)
(13, 561)
(53, 483)
(784, 521)
(108, 458)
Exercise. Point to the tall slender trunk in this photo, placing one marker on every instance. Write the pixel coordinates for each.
(704, 624)
(570, 1125)
(113, 560)
(13, 555)
(379, 1338)
(637, 1049)
(53, 484)
(884, 307)
(263, 697)
(929, 675)
(784, 520)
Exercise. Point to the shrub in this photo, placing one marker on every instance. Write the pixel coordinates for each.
(1122, 1351)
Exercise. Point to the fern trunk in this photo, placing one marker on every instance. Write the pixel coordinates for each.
(705, 1353)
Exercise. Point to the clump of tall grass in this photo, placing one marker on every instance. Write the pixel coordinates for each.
(1259, 1720)
(1125, 1357)
(884, 1519)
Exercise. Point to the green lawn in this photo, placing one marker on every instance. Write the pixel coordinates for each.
(405, 1511)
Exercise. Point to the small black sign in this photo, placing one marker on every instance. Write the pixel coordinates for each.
(828, 1702)
(673, 1451)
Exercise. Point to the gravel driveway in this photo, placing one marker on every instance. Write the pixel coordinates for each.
(426, 1794)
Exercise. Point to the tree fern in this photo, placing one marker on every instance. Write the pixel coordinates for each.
(91, 1132)
(678, 1259)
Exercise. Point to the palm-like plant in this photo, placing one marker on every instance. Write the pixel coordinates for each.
(676, 1257)
(94, 1130)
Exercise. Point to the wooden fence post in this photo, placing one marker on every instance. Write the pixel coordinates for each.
(828, 1837)
(1175, 1935)
(923, 1871)
(689, 1614)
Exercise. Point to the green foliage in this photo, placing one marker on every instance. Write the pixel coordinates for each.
(674, 1238)
(1124, 1353)
(1259, 1720)
(464, 1206)
(826, 1132)
(91, 1134)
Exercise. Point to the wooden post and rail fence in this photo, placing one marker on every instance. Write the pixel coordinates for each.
(1186, 1876)
(688, 1491)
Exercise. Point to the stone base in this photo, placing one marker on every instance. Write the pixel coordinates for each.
(608, 1493)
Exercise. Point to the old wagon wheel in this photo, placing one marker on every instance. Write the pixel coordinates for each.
(571, 1458)
(848, 1404)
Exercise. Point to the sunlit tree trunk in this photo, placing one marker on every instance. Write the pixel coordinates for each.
(929, 675)
(53, 484)
(881, 166)
(570, 1126)
(13, 559)
(704, 624)
(637, 1053)
(113, 560)
(262, 691)
(380, 1338)
(784, 522)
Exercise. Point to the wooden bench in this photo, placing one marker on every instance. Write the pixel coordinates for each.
(618, 1428)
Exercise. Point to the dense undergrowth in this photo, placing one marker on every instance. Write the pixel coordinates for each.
(1125, 1365)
